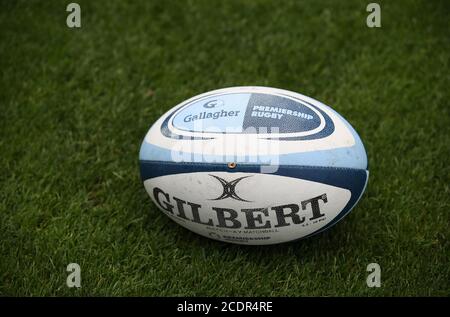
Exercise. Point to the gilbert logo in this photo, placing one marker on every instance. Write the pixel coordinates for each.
(229, 188)
(259, 217)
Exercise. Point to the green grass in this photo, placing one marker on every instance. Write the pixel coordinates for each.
(76, 104)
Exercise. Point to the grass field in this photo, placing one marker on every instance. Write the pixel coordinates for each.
(75, 105)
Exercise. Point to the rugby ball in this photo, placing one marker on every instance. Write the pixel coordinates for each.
(253, 165)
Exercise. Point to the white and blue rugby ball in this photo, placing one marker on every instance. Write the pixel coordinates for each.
(253, 165)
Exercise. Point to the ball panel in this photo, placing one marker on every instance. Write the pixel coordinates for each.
(210, 187)
(247, 208)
